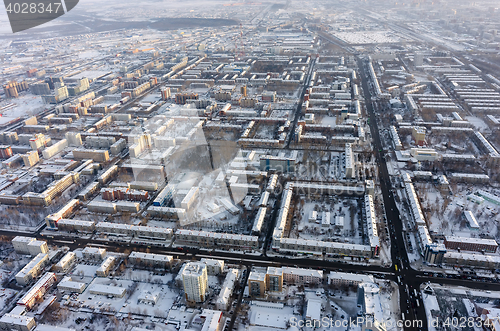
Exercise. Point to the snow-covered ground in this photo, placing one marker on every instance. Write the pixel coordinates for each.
(443, 303)
(368, 37)
(24, 106)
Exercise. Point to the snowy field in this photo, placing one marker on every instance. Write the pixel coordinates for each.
(24, 106)
(368, 37)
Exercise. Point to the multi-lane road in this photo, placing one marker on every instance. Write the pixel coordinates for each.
(408, 279)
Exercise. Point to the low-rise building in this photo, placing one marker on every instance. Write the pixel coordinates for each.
(150, 260)
(20, 244)
(471, 244)
(215, 239)
(32, 269)
(301, 276)
(37, 246)
(313, 311)
(28, 245)
(214, 267)
(10, 322)
(108, 290)
(371, 307)
(223, 300)
(105, 267)
(68, 285)
(70, 225)
(38, 290)
(66, 262)
(93, 253)
(471, 220)
(424, 154)
(478, 260)
(150, 298)
(343, 278)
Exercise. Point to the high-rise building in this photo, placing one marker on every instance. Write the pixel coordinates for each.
(12, 89)
(194, 280)
(418, 134)
(38, 141)
(165, 93)
(257, 283)
(5, 151)
(349, 162)
(274, 279)
(53, 80)
(182, 98)
(74, 138)
(418, 59)
(31, 158)
(40, 88)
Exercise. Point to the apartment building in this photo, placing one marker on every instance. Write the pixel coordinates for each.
(194, 280)
(301, 276)
(93, 253)
(32, 269)
(222, 302)
(214, 239)
(66, 262)
(471, 244)
(38, 290)
(150, 260)
(105, 267)
(214, 267)
(343, 278)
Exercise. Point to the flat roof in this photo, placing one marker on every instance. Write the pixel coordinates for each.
(479, 241)
(313, 310)
(349, 276)
(151, 256)
(106, 289)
